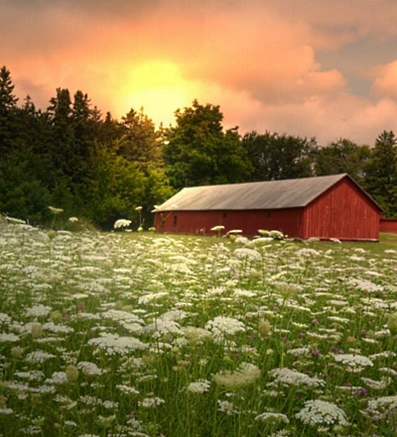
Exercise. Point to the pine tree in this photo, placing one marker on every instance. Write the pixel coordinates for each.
(381, 173)
(8, 100)
(8, 105)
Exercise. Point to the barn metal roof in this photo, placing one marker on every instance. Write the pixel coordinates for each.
(289, 193)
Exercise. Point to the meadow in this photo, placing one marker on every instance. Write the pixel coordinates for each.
(139, 334)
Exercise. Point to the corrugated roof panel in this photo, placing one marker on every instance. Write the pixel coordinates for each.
(290, 193)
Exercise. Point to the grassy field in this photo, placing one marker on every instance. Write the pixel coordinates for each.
(137, 334)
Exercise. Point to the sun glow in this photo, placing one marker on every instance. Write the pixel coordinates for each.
(159, 88)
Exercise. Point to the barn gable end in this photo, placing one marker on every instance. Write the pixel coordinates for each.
(345, 212)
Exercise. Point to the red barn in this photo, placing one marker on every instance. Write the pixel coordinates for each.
(324, 207)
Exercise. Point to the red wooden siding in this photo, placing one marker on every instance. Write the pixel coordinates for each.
(388, 225)
(289, 221)
(342, 212)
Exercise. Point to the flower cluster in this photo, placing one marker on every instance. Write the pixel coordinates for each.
(317, 412)
(150, 335)
(121, 224)
(245, 375)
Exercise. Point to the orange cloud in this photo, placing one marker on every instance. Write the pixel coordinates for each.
(385, 84)
(260, 60)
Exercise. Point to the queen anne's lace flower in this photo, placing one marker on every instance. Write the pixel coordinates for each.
(198, 387)
(318, 412)
(5, 337)
(354, 361)
(245, 375)
(151, 402)
(270, 416)
(38, 311)
(89, 369)
(112, 343)
(227, 407)
(221, 326)
(121, 223)
(250, 254)
(288, 377)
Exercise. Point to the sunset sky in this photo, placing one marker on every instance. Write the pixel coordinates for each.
(323, 68)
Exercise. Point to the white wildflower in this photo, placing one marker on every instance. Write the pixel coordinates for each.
(249, 254)
(272, 417)
(127, 389)
(89, 369)
(354, 362)
(129, 321)
(151, 402)
(307, 252)
(274, 235)
(149, 297)
(388, 371)
(32, 375)
(377, 385)
(222, 326)
(15, 221)
(196, 335)
(289, 377)
(227, 407)
(56, 328)
(218, 228)
(299, 351)
(38, 311)
(5, 337)
(121, 223)
(317, 412)
(245, 375)
(383, 354)
(38, 356)
(367, 286)
(55, 210)
(198, 387)
(57, 378)
(281, 433)
(216, 291)
(161, 327)
(234, 232)
(381, 408)
(112, 343)
(5, 318)
(241, 240)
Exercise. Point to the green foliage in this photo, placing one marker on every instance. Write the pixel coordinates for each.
(381, 173)
(8, 100)
(198, 152)
(342, 156)
(69, 157)
(23, 195)
(102, 169)
(275, 157)
(116, 186)
(140, 142)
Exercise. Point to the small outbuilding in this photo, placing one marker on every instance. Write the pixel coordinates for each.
(325, 207)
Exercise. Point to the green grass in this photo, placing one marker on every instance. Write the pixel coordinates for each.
(137, 334)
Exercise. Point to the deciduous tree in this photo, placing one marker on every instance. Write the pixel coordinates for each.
(342, 156)
(273, 156)
(198, 151)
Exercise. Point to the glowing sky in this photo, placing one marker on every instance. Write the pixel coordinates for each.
(323, 68)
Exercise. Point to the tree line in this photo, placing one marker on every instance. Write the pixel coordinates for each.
(95, 167)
